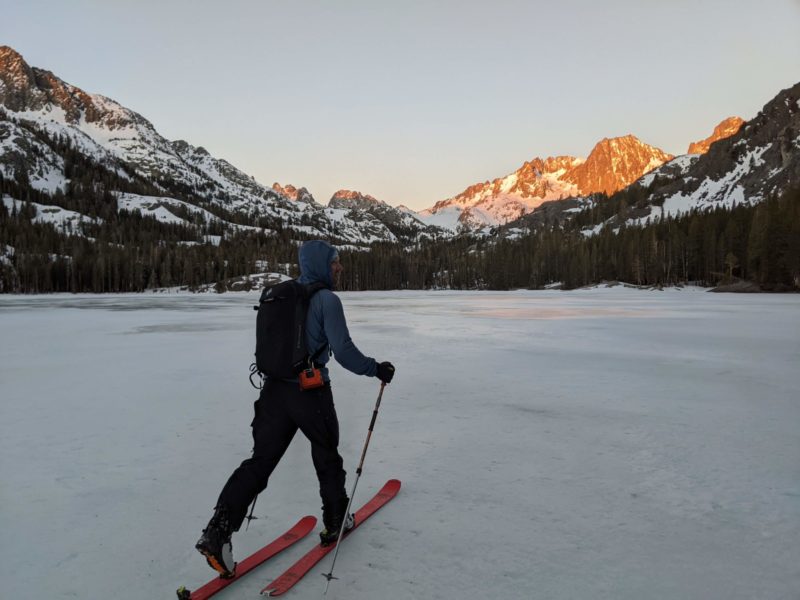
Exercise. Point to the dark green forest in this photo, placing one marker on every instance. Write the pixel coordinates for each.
(128, 252)
(758, 243)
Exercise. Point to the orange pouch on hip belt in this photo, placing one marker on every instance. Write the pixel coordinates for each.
(311, 378)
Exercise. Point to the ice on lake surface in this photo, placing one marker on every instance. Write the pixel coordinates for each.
(607, 443)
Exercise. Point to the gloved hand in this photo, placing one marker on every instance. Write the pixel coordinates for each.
(385, 371)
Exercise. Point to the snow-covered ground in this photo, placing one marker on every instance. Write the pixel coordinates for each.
(61, 218)
(599, 444)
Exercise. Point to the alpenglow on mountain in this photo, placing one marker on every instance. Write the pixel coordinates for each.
(726, 129)
(611, 165)
(45, 121)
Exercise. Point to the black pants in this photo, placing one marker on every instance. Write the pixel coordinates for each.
(282, 409)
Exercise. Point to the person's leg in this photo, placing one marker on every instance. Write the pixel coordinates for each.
(315, 414)
(273, 430)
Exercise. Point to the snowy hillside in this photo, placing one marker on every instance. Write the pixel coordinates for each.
(401, 221)
(740, 163)
(61, 218)
(760, 158)
(108, 132)
(608, 444)
(37, 105)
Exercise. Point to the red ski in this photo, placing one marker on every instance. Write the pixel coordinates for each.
(296, 572)
(299, 531)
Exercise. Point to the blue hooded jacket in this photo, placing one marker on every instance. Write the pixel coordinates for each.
(326, 326)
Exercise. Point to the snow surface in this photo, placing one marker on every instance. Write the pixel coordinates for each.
(446, 218)
(62, 218)
(498, 203)
(6, 254)
(592, 231)
(599, 444)
(122, 134)
(682, 162)
(725, 192)
(158, 207)
(46, 168)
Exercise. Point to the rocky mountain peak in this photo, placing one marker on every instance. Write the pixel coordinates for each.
(615, 163)
(551, 165)
(292, 193)
(183, 147)
(725, 129)
(26, 88)
(531, 177)
(349, 199)
(14, 71)
(17, 80)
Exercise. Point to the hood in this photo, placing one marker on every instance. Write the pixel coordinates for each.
(315, 259)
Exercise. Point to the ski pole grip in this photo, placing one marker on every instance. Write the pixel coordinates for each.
(374, 418)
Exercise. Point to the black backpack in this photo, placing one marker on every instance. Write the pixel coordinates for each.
(281, 328)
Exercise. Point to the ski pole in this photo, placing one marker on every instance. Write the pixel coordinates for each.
(329, 575)
(250, 517)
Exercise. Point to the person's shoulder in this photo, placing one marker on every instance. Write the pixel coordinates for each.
(328, 299)
(326, 296)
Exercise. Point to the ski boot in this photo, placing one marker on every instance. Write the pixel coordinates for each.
(215, 544)
(330, 534)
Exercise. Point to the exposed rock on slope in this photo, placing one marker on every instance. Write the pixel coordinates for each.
(726, 129)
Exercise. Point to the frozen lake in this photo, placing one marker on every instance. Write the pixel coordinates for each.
(599, 444)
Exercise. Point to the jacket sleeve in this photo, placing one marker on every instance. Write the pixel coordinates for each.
(344, 350)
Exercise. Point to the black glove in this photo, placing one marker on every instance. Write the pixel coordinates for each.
(385, 372)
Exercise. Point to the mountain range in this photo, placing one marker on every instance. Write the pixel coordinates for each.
(45, 122)
(39, 109)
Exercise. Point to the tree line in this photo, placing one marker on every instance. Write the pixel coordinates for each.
(124, 251)
(759, 243)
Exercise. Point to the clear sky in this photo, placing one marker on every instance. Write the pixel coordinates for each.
(412, 101)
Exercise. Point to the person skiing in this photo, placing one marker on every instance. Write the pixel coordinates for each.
(282, 408)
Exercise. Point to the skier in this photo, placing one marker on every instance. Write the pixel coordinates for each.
(283, 408)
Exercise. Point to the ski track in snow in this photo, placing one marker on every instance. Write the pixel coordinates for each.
(598, 444)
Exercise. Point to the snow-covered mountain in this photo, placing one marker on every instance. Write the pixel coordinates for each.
(109, 133)
(611, 165)
(52, 132)
(741, 162)
(402, 221)
(43, 119)
(761, 158)
(758, 158)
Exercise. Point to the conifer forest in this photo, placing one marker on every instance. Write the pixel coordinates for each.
(127, 252)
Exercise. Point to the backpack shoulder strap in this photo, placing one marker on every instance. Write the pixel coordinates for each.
(277, 290)
(313, 288)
